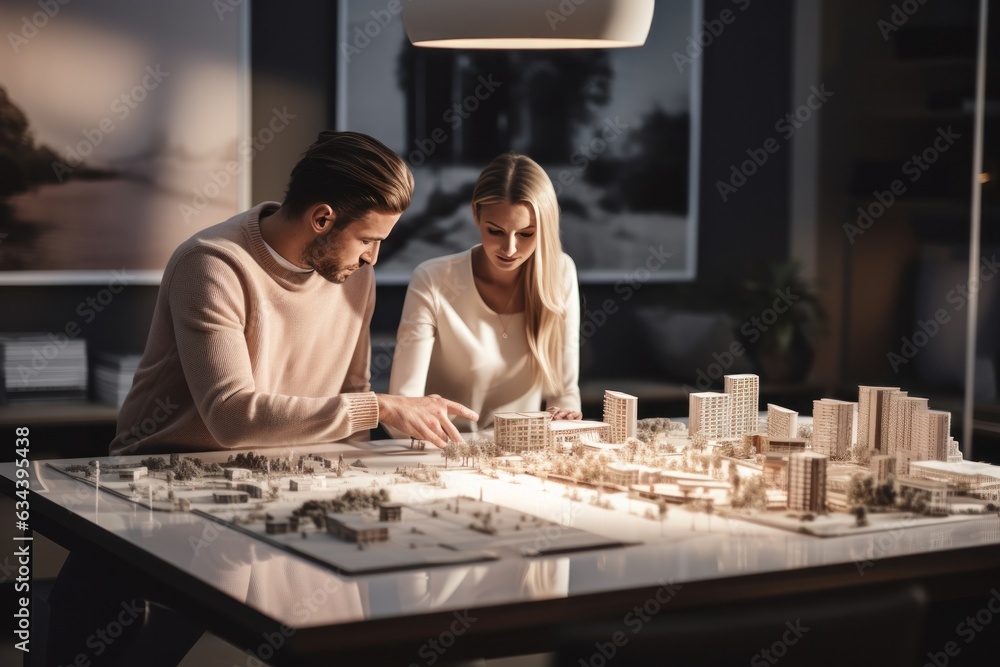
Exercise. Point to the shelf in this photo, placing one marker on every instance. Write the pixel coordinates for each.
(57, 414)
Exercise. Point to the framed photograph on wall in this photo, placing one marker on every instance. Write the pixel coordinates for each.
(616, 130)
(122, 133)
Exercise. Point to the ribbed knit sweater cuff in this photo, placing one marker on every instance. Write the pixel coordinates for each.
(363, 410)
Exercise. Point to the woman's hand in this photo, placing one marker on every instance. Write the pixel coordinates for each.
(562, 413)
(424, 418)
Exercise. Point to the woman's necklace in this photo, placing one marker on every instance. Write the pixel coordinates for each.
(513, 293)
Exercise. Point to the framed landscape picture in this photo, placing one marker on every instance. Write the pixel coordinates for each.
(122, 130)
(616, 130)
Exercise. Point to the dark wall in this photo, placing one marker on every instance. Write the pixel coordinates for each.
(746, 88)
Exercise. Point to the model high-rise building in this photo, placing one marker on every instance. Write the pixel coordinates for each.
(620, 414)
(515, 431)
(933, 435)
(744, 392)
(905, 412)
(807, 482)
(708, 415)
(782, 422)
(917, 433)
(873, 418)
(833, 428)
(882, 466)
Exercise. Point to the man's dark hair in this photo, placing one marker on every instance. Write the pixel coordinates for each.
(352, 173)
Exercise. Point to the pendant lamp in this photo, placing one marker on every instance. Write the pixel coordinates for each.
(527, 24)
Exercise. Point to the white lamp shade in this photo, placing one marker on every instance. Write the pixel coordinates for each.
(527, 24)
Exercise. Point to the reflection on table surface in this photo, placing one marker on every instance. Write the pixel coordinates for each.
(301, 593)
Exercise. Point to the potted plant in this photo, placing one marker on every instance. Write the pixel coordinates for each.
(780, 313)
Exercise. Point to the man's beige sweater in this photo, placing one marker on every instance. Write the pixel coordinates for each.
(244, 353)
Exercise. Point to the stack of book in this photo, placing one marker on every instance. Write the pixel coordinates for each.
(38, 366)
(113, 375)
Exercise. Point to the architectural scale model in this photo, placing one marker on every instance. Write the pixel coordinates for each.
(541, 487)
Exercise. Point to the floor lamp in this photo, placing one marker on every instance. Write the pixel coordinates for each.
(975, 226)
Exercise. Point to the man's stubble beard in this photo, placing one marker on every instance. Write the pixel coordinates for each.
(316, 256)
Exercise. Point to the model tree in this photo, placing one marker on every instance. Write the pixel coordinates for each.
(449, 453)
(885, 493)
(752, 494)
(734, 477)
(186, 470)
(860, 516)
(154, 463)
(717, 464)
(861, 490)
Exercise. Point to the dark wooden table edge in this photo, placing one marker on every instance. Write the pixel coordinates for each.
(498, 630)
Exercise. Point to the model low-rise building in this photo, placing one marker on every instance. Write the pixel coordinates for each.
(390, 512)
(981, 480)
(353, 527)
(520, 431)
(565, 431)
(785, 446)
(936, 495)
(756, 442)
(133, 474)
(229, 497)
(255, 491)
(300, 485)
(627, 474)
(774, 469)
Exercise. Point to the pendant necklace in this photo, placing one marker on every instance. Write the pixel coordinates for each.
(507, 307)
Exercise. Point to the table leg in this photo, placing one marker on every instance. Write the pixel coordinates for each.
(100, 618)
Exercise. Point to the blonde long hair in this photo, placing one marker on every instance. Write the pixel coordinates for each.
(517, 179)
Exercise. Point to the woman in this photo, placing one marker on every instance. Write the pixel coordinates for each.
(496, 327)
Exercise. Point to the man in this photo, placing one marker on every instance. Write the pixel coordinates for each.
(260, 336)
